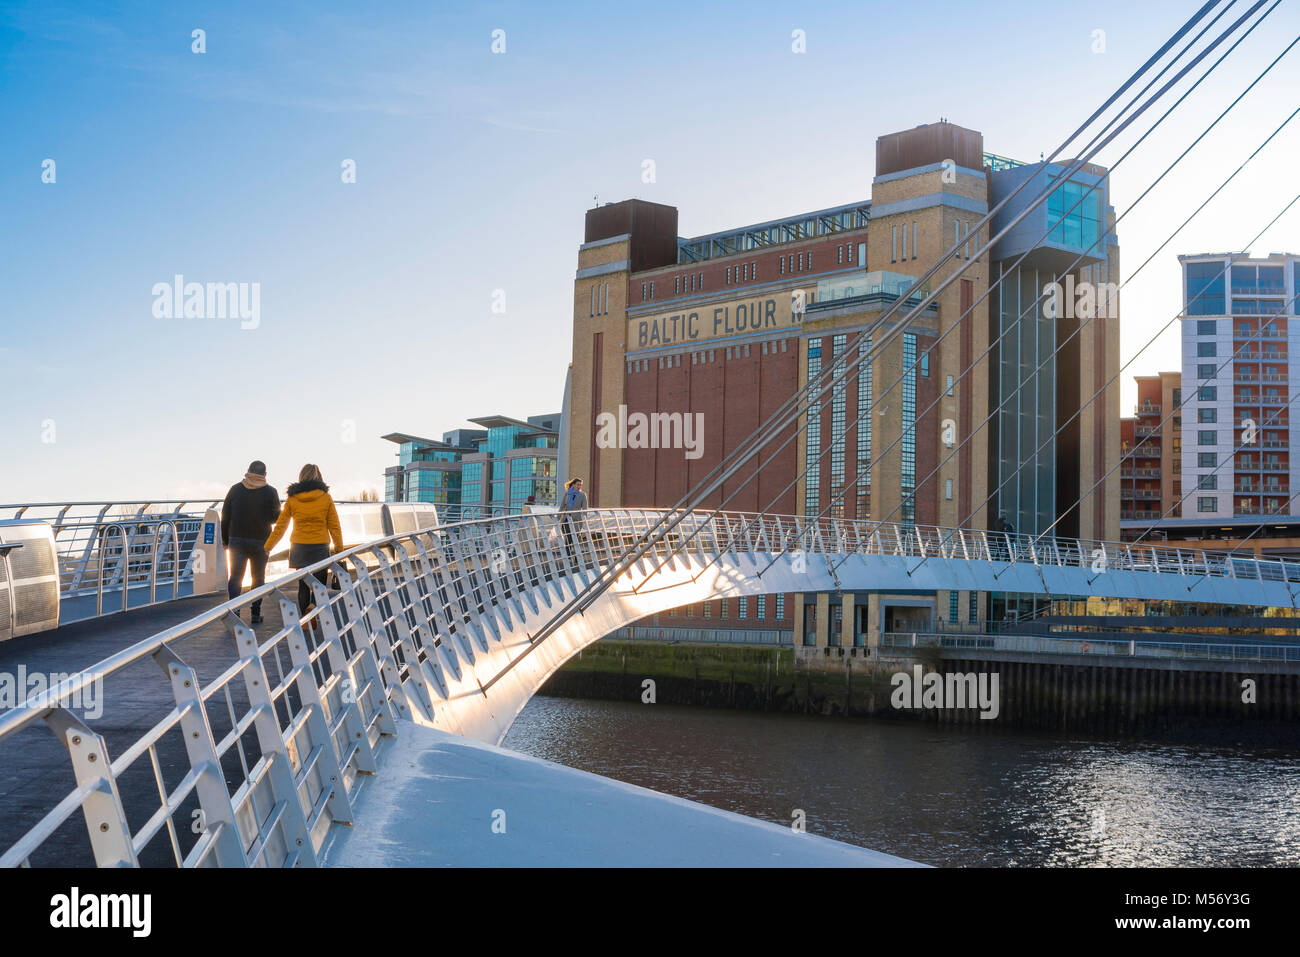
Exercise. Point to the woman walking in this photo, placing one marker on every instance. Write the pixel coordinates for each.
(574, 500)
(315, 523)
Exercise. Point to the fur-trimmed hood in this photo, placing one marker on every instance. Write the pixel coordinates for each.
(313, 485)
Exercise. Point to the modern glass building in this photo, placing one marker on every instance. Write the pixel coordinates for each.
(1054, 310)
(503, 466)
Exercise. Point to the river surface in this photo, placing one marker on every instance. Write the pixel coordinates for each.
(946, 796)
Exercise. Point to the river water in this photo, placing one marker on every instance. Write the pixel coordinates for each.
(945, 796)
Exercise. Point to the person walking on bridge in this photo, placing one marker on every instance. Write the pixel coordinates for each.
(315, 524)
(247, 514)
(574, 500)
(1007, 535)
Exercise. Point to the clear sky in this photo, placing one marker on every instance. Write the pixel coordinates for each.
(473, 171)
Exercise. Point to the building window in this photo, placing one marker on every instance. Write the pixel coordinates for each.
(893, 255)
(950, 385)
(780, 606)
(742, 608)
(781, 263)
(1207, 460)
(1205, 327)
(1207, 504)
(864, 429)
(953, 608)
(1206, 350)
(947, 489)
(974, 606)
(907, 471)
(1207, 483)
(839, 261)
(925, 364)
(1207, 437)
(728, 274)
(801, 262)
(652, 290)
(813, 434)
(838, 404)
(1207, 416)
(914, 232)
(708, 609)
(1206, 370)
(904, 240)
(592, 312)
(1207, 393)
(760, 609)
(722, 608)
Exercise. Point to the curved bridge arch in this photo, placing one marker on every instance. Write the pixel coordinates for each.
(740, 555)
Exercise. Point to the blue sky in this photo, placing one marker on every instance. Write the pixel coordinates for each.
(473, 173)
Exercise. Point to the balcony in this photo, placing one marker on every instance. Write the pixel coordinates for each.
(1146, 408)
(1151, 494)
(1276, 467)
(1246, 377)
(1246, 488)
(1275, 443)
(1146, 431)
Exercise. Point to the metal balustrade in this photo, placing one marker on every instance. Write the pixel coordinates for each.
(254, 762)
(80, 539)
(1129, 648)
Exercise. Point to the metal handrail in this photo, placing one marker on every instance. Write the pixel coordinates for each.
(176, 561)
(104, 533)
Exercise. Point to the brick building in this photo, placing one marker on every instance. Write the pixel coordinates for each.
(721, 329)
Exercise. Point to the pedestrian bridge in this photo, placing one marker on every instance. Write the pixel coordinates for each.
(455, 627)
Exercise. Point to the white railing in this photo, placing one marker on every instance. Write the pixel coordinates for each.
(147, 539)
(253, 763)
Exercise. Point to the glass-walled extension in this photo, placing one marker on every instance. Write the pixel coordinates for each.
(1025, 397)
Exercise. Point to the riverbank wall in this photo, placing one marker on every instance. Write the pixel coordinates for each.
(1213, 702)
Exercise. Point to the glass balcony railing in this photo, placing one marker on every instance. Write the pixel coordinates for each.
(875, 282)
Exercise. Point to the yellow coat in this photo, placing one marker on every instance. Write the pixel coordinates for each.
(315, 519)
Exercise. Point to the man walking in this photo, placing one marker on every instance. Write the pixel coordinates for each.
(1008, 532)
(249, 511)
(574, 500)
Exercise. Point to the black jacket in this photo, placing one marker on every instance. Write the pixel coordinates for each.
(249, 512)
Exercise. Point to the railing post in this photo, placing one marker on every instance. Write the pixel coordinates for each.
(110, 835)
(271, 740)
(358, 722)
(214, 796)
(418, 696)
(381, 674)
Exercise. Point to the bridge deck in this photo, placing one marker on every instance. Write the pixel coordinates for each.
(433, 805)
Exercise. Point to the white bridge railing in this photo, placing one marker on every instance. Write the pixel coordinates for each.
(102, 545)
(250, 757)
